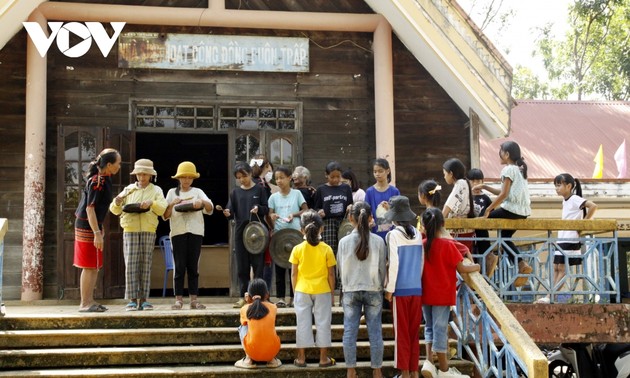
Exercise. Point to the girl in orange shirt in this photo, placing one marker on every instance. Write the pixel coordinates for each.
(258, 328)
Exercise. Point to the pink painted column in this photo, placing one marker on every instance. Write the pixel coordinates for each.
(384, 95)
(34, 171)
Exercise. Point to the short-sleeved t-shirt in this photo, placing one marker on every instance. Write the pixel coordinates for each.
(439, 278)
(97, 193)
(187, 222)
(313, 263)
(285, 206)
(261, 342)
(334, 200)
(374, 198)
(572, 208)
(459, 200)
(517, 201)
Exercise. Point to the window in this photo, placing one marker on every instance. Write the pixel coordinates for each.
(257, 118)
(174, 117)
(190, 117)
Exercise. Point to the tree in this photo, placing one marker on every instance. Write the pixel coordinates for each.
(526, 85)
(593, 57)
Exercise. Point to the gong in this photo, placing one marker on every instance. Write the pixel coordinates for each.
(282, 244)
(345, 228)
(186, 207)
(255, 237)
(134, 208)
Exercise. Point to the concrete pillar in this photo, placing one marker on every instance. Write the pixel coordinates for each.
(34, 170)
(384, 95)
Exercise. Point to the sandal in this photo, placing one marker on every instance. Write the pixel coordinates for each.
(274, 363)
(331, 362)
(244, 365)
(299, 364)
(281, 304)
(194, 305)
(131, 306)
(178, 305)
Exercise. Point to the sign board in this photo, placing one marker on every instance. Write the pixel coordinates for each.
(213, 52)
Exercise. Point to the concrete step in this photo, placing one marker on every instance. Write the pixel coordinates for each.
(160, 355)
(225, 371)
(208, 318)
(150, 336)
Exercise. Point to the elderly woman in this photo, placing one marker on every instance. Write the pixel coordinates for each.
(139, 205)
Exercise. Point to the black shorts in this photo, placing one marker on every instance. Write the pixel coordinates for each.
(559, 259)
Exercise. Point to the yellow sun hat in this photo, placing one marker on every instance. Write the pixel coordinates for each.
(186, 169)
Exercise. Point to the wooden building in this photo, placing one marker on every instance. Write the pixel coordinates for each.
(412, 81)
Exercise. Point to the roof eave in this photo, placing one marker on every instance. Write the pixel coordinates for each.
(443, 40)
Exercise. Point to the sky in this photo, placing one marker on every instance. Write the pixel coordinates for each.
(518, 40)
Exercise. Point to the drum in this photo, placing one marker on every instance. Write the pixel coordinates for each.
(134, 208)
(255, 237)
(282, 244)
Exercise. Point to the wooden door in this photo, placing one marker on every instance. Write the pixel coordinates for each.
(77, 147)
(113, 279)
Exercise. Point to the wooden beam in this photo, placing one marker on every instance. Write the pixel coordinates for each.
(531, 224)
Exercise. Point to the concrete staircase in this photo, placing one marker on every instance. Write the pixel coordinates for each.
(163, 343)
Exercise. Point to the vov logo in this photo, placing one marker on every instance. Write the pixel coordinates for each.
(61, 33)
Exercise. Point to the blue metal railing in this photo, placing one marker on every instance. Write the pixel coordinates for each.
(482, 339)
(595, 279)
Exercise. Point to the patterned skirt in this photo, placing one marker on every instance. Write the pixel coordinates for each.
(86, 256)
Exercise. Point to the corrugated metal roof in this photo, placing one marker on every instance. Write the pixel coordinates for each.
(562, 136)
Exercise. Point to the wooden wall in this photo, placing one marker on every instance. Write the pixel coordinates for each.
(338, 115)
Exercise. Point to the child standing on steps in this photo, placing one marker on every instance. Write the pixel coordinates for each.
(378, 195)
(285, 208)
(442, 261)
(247, 201)
(187, 230)
(332, 200)
(313, 280)
(573, 207)
(404, 288)
(512, 201)
(258, 328)
(361, 263)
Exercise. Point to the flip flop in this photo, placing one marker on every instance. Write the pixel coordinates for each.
(331, 362)
(243, 365)
(93, 308)
(299, 364)
(274, 363)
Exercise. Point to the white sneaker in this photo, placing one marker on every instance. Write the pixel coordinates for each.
(428, 370)
(452, 373)
(543, 300)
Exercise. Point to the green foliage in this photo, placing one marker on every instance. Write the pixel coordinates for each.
(593, 58)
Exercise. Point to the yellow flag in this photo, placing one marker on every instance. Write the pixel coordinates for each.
(599, 163)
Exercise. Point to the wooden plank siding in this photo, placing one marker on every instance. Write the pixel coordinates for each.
(338, 112)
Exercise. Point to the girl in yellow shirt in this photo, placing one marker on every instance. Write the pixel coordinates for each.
(313, 280)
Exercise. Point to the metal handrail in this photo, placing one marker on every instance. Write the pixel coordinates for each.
(477, 333)
(486, 329)
(595, 279)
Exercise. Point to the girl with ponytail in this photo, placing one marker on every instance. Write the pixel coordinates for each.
(258, 328)
(512, 201)
(442, 260)
(362, 266)
(313, 280)
(88, 226)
